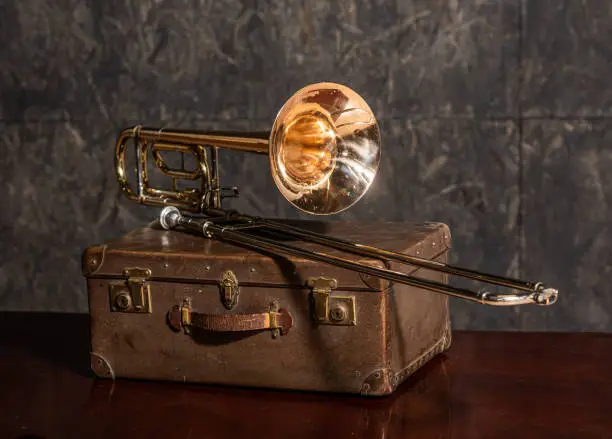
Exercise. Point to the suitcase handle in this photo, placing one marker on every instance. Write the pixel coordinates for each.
(182, 317)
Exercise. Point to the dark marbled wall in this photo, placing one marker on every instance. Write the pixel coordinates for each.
(494, 117)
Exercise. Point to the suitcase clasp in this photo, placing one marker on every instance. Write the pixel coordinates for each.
(135, 295)
(331, 310)
(229, 289)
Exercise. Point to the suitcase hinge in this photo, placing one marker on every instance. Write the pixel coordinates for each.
(133, 296)
(328, 309)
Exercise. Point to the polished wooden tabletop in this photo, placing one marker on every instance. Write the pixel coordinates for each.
(489, 385)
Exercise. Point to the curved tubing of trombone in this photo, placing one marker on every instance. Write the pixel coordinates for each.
(160, 139)
(120, 148)
(170, 218)
(543, 296)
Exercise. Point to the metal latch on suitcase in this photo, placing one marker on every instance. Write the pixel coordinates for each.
(328, 309)
(229, 289)
(133, 296)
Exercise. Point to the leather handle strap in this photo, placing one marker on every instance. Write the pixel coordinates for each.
(182, 317)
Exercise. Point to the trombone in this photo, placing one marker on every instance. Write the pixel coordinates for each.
(324, 151)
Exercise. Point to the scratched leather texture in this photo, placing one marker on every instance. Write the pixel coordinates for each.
(398, 328)
(493, 118)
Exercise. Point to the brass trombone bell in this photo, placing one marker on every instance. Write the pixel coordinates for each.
(323, 148)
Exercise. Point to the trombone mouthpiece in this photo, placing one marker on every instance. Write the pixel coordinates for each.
(169, 217)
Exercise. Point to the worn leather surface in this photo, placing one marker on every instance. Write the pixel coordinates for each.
(397, 328)
(415, 317)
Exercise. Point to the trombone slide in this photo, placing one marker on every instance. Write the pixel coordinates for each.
(171, 218)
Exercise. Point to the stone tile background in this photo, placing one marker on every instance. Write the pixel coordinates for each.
(493, 116)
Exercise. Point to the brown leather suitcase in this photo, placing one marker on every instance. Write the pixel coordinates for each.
(168, 305)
